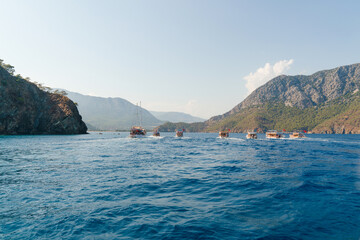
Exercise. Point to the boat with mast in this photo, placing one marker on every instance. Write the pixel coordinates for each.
(138, 131)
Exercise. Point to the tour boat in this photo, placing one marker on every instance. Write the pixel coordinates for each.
(156, 133)
(273, 134)
(297, 135)
(179, 133)
(251, 135)
(224, 134)
(137, 131)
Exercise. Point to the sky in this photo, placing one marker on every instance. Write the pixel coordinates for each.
(201, 57)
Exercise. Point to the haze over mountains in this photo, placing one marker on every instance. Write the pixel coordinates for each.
(119, 114)
(176, 117)
(111, 113)
(325, 102)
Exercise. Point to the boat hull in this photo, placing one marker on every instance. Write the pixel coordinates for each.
(251, 137)
(274, 136)
(136, 132)
(223, 135)
(277, 137)
(291, 136)
(179, 134)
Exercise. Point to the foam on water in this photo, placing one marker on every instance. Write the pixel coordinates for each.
(109, 186)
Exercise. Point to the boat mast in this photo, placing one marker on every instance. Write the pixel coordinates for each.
(137, 112)
(140, 115)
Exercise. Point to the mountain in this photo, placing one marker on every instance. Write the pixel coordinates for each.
(111, 113)
(176, 117)
(316, 102)
(325, 102)
(27, 109)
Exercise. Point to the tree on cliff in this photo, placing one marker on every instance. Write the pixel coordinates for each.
(10, 69)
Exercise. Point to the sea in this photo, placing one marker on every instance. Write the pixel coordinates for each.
(109, 186)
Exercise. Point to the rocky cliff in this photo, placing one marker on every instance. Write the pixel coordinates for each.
(26, 109)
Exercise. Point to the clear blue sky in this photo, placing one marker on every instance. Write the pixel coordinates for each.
(190, 56)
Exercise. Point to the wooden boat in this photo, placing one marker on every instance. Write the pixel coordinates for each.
(251, 135)
(273, 134)
(224, 134)
(156, 133)
(179, 133)
(297, 135)
(137, 131)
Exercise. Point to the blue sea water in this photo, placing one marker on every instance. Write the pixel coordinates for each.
(109, 186)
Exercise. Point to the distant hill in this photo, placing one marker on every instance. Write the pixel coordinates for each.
(28, 108)
(325, 102)
(188, 127)
(111, 113)
(176, 117)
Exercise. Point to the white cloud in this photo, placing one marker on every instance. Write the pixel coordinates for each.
(191, 106)
(266, 73)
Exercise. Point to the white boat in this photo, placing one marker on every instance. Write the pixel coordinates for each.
(251, 135)
(274, 134)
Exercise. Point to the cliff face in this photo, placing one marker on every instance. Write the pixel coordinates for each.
(26, 109)
(307, 91)
(325, 102)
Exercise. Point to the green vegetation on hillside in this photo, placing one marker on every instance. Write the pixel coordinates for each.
(279, 116)
(27, 108)
(20, 79)
(346, 122)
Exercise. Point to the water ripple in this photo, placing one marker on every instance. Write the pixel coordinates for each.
(110, 186)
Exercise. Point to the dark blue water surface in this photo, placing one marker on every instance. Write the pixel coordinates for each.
(108, 186)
